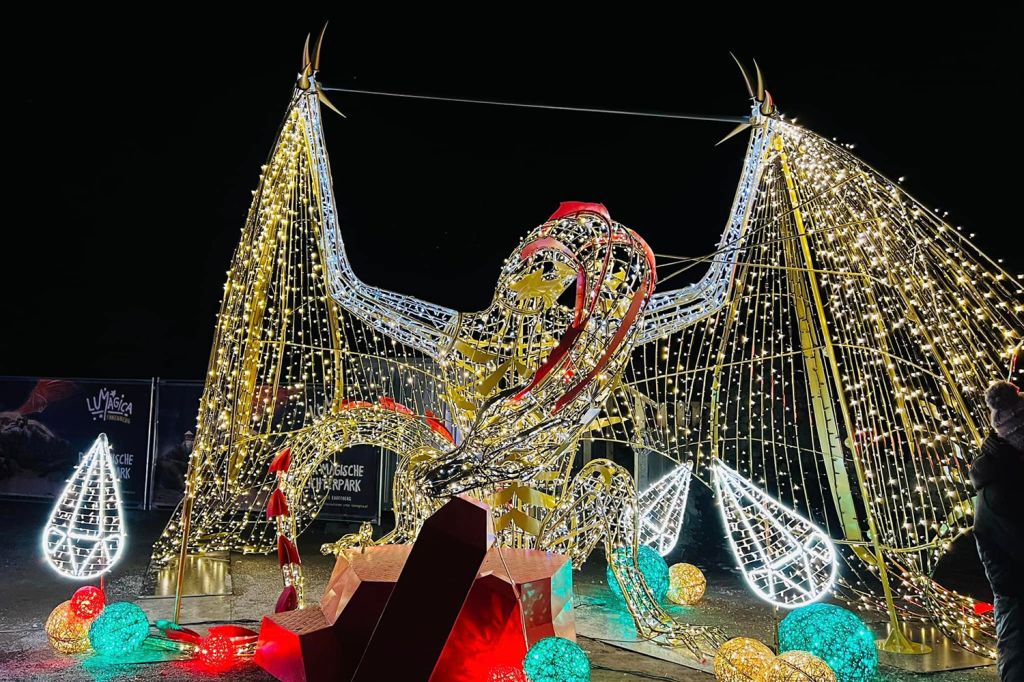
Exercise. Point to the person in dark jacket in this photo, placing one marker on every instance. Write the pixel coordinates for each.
(998, 475)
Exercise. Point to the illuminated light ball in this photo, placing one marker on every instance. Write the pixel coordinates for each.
(686, 584)
(799, 666)
(507, 673)
(87, 602)
(554, 659)
(119, 630)
(66, 632)
(652, 567)
(742, 659)
(834, 635)
(217, 651)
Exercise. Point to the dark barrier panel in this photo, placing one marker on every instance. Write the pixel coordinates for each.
(46, 425)
(177, 408)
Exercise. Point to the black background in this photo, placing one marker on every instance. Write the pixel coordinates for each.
(133, 141)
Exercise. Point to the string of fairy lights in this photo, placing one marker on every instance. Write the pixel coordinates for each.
(833, 354)
(85, 536)
(309, 357)
(864, 330)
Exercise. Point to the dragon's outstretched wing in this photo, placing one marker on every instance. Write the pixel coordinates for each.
(845, 372)
(287, 354)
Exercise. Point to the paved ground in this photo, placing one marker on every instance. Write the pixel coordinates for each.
(30, 589)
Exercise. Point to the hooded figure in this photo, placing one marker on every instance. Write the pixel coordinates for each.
(998, 475)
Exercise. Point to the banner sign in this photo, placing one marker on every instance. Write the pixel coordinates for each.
(47, 425)
(177, 409)
(351, 482)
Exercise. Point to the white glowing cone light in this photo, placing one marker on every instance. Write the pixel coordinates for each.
(787, 560)
(85, 536)
(662, 507)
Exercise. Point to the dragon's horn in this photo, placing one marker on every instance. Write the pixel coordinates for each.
(743, 72)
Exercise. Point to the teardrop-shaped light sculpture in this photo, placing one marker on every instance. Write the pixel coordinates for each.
(662, 507)
(787, 560)
(85, 536)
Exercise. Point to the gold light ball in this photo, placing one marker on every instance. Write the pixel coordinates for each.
(686, 584)
(68, 634)
(799, 666)
(742, 659)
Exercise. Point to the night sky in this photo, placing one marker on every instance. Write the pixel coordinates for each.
(133, 145)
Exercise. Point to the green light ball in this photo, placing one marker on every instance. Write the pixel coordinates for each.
(119, 630)
(652, 567)
(834, 635)
(554, 659)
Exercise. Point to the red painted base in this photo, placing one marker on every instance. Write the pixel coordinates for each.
(518, 597)
(298, 646)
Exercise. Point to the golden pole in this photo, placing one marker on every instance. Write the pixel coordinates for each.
(896, 642)
(186, 528)
(186, 514)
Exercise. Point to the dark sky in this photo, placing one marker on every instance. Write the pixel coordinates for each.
(134, 144)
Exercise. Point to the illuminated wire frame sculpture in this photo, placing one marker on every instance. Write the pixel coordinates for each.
(84, 536)
(495, 403)
(847, 373)
(835, 348)
(662, 508)
(786, 559)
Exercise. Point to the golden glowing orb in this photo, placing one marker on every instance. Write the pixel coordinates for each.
(686, 584)
(68, 634)
(742, 659)
(799, 666)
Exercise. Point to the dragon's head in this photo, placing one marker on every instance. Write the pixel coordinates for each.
(518, 430)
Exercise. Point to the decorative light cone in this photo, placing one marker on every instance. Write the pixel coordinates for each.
(662, 507)
(66, 632)
(742, 659)
(799, 666)
(787, 560)
(555, 659)
(834, 635)
(686, 584)
(84, 536)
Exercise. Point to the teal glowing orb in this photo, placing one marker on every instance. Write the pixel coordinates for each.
(119, 630)
(555, 659)
(652, 566)
(834, 635)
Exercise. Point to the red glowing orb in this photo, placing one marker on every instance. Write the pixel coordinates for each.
(217, 651)
(508, 674)
(88, 602)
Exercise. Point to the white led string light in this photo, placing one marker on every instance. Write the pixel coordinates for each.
(786, 559)
(662, 507)
(84, 536)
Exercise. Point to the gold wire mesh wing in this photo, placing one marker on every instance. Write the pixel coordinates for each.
(845, 374)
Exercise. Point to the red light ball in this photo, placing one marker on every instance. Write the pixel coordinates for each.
(217, 651)
(88, 602)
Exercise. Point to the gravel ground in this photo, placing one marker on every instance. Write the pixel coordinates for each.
(30, 590)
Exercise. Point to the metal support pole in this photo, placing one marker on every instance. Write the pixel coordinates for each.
(896, 642)
(186, 527)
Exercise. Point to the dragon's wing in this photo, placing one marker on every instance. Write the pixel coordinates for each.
(286, 355)
(847, 369)
(419, 324)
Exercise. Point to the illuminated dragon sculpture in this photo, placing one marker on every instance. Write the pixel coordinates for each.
(578, 345)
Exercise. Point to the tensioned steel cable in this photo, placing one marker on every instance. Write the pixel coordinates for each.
(549, 107)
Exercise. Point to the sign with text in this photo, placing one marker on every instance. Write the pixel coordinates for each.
(47, 425)
(351, 483)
